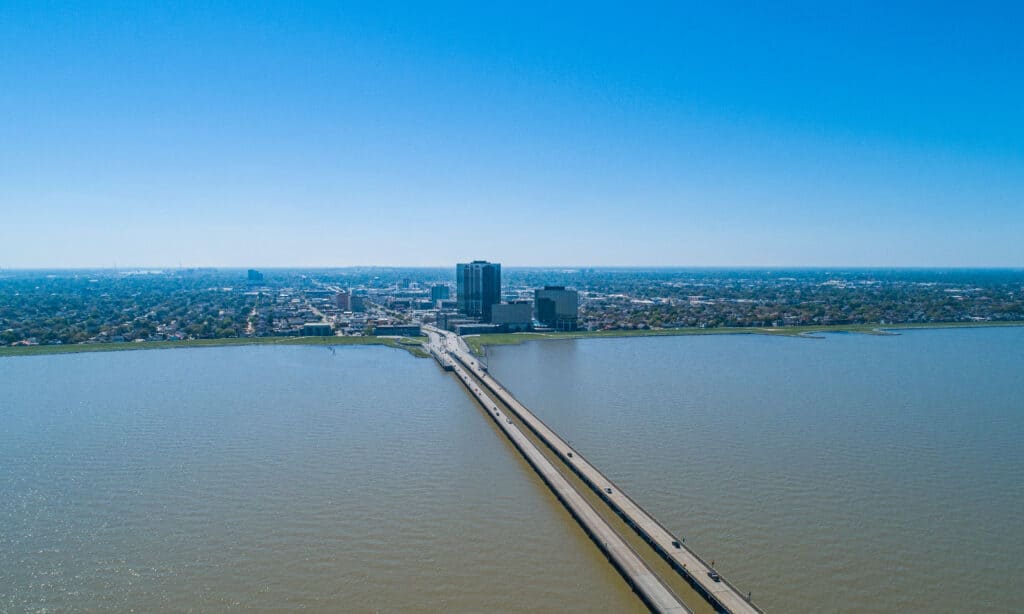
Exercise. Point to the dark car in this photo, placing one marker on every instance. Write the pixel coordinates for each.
(714, 576)
(608, 490)
(675, 542)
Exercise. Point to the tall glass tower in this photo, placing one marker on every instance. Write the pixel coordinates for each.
(478, 286)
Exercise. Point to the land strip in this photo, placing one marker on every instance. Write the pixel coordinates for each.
(413, 345)
(478, 342)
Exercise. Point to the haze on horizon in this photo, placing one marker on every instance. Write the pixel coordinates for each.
(677, 134)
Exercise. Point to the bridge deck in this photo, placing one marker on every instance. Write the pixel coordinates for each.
(645, 582)
(722, 594)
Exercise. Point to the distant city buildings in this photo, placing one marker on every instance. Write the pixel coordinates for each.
(557, 307)
(254, 275)
(478, 287)
(479, 295)
(211, 304)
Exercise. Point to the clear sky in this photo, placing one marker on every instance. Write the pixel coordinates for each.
(336, 134)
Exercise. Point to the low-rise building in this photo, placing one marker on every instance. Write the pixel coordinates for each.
(512, 317)
(477, 329)
(317, 329)
(449, 320)
(410, 330)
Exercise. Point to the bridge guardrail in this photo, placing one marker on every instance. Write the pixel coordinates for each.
(689, 577)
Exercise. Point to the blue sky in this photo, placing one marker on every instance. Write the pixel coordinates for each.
(691, 134)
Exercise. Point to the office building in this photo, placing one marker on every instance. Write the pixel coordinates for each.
(557, 307)
(448, 320)
(254, 275)
(343, 301)
(478, 285)
(439, 292)
(512, 317)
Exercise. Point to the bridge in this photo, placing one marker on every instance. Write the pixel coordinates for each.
(453, 354)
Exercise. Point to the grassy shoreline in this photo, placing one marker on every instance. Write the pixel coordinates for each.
(478, 342)
(413, 345)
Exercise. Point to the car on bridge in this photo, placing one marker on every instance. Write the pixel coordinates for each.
(714, 576)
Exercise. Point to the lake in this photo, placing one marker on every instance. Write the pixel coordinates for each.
(853, 473)
(273, 478)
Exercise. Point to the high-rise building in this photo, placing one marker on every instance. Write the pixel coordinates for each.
(478, 285)
(439, 292)
(557, 307)
(343, 300)
(254, 275)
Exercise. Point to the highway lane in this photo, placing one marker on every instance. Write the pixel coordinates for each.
(642, 579)
(687, 563)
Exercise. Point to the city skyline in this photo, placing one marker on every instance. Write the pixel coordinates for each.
(255, 135)
(675, 307)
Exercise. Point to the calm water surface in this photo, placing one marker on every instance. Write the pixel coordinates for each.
(273, 478)
(851, 474)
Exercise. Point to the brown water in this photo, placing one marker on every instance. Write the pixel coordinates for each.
(851, 474)
(273, 478)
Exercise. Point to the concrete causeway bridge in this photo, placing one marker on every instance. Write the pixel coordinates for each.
(454, 355)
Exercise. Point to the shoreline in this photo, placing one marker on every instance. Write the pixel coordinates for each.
(478, 342)
(413, 345)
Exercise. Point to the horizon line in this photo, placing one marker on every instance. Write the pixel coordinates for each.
(761, 267)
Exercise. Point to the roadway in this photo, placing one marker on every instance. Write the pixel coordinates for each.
(650, 588)
(700, 574)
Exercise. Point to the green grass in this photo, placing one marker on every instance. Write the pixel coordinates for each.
(413, 345)
(477, 342)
